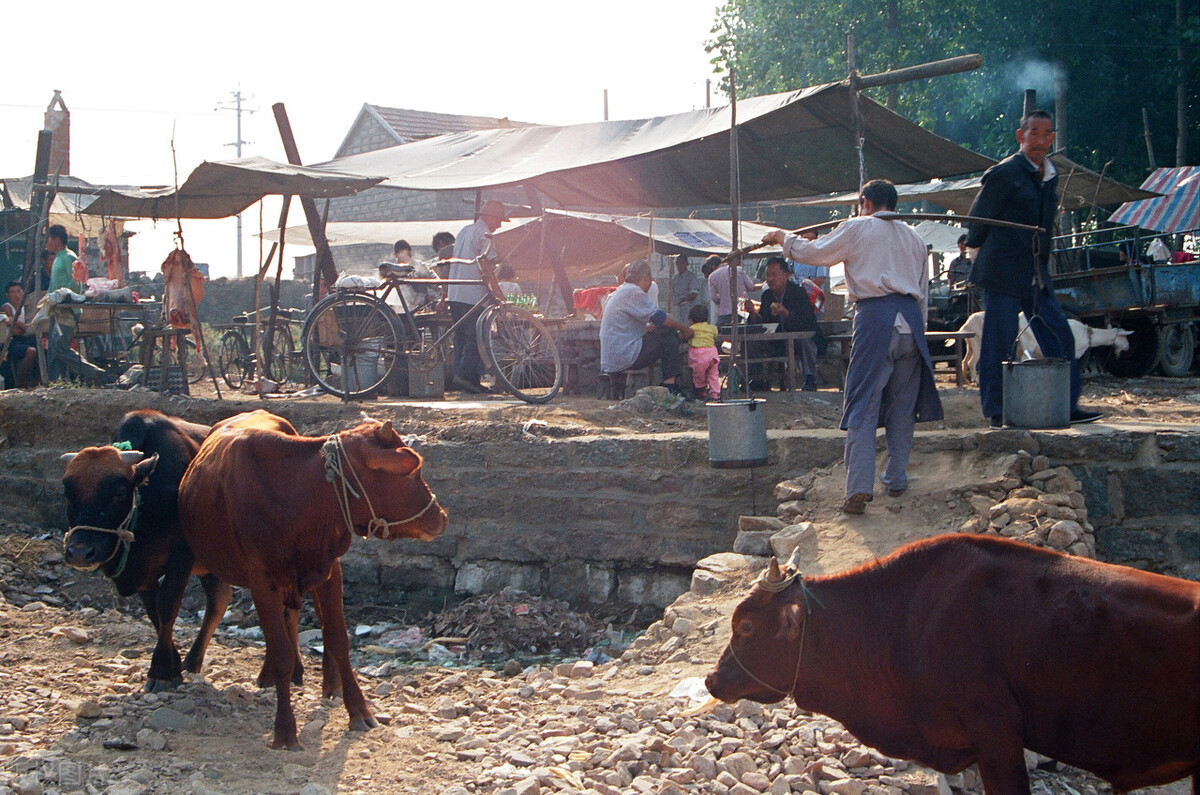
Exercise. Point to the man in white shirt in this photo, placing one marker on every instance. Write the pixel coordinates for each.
(473, 241)
(889, 381)
(625, 344)
(688, 288)
(718, 289)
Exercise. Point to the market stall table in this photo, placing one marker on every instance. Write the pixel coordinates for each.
(944, 346)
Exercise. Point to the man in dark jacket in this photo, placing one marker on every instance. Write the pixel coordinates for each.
(1012, 265)
(786, 303)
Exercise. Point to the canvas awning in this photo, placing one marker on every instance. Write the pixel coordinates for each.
(794, 144)
(71, 197)
(224, 188)
(1078, 187)
(1176, 211)
(588, 244)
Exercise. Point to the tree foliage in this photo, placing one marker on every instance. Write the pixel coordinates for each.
(1111, 59)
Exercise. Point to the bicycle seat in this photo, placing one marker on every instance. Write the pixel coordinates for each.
(392, 269)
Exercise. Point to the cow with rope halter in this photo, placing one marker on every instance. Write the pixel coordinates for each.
(965, 649)
(265, 508)
(123, 516)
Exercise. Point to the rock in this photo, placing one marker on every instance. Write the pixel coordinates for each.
(981, 504)
(28, 784)
(127, 786)
(1063, 534)
(726, 562)
(312, 788)
(753, 524)
(148, 738)
(167, 718)
(527, 786)
(88, 709)
(786, 540)
(844, 786)
(754, 542)
(705, 582)
(756, 780)
(794, 489)
(73, 634)
(738, 764)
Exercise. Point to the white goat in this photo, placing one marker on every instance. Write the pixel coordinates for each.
(1085, 337)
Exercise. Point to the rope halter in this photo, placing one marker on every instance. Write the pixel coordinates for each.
(337, 465)
(123, 532)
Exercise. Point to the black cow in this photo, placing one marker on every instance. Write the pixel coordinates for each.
(123, 512)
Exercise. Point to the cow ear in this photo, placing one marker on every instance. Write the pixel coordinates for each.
(387, 436)
(143, 469)
(793, 621)
(402, 462)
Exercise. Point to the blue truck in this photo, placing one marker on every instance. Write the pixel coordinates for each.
(1116, 284)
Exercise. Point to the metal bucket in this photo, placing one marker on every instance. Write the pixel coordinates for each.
(364, 371)
(737, 434)
(1037, 394)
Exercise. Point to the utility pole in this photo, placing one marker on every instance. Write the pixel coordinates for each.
(237, 144)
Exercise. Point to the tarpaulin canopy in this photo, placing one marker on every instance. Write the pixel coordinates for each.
(1078, 187)
(587, 244)
(225, 188)
(71, 196)
(1177, 211)
(794, 144)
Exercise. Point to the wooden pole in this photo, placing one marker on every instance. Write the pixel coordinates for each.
(948, 66)
(324, 260)
(734, 211)
(1149, 142)
(39, 204)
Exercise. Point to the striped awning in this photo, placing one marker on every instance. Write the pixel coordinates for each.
(1176, 211)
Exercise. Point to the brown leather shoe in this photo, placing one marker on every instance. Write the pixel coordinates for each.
(896, 492)
(856, 503)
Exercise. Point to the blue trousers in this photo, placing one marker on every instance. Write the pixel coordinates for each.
(894, 399)
(1000, 329)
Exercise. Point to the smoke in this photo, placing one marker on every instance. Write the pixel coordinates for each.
(1036, 74)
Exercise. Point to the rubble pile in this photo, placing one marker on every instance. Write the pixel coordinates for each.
(508, 623)
(1042, 505)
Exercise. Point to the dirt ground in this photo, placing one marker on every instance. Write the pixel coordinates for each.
(73, 657)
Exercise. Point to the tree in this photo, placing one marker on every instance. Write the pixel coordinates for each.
(1108, 59)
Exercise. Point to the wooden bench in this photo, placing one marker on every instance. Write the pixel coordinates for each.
(953, 356)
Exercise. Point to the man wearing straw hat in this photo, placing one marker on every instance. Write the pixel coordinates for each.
(889, 381)
(475, 240)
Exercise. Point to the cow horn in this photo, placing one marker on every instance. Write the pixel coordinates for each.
(66, 458)
(794, 561)
(131, 457)
(773, 573)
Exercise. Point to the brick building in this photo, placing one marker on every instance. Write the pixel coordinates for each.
(377, 127)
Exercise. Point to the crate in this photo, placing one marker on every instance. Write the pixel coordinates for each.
(95, 320)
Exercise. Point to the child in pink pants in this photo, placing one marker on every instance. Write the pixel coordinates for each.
(702, 354)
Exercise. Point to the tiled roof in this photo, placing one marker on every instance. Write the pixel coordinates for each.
(413, 125)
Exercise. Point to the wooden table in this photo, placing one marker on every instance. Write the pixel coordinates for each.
(788, 359)
(954, 356)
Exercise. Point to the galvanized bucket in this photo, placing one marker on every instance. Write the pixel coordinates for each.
(737, 433)
(1037, 394)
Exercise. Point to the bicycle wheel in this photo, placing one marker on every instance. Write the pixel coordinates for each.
(233, 359)
(351, 344)
(521, 352)
(283, 351)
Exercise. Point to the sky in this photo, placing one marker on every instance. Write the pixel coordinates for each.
(143, 78)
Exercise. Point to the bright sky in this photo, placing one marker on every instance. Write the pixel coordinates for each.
(137, 74)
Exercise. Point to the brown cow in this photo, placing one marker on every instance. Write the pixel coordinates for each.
(965, 649)
(265, 508)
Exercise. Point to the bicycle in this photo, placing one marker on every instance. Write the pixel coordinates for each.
(234, 361)
(353, 341)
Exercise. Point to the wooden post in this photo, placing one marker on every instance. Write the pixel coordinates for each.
(1029, 104)
(1149, 142)
(734, 212)
(39, 205)
(324, 260)
(948, 66)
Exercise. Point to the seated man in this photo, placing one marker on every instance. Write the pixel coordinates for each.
(786, 303)
(625, 343)
(22, 348)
